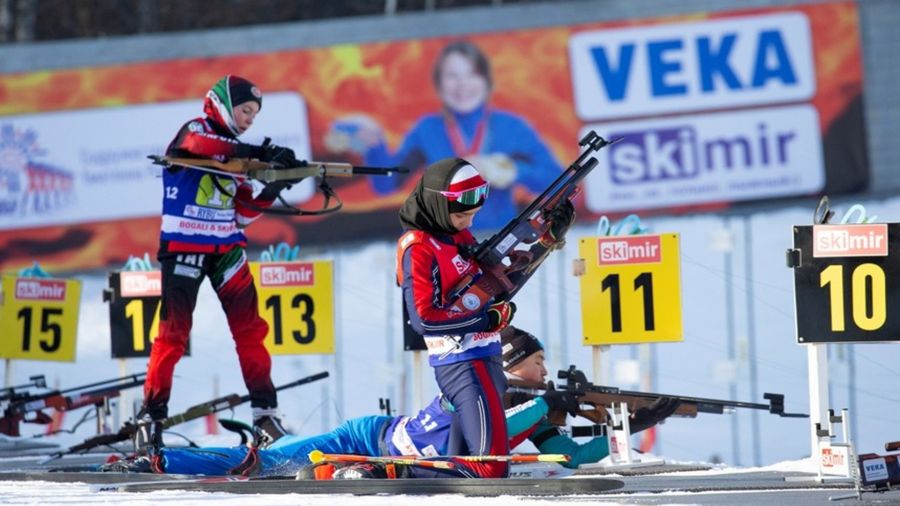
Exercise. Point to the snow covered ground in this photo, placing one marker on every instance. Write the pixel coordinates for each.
(51, 494)
(48, 493)
(370, 362)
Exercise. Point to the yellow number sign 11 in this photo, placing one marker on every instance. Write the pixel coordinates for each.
(631, 289)
(39, 318)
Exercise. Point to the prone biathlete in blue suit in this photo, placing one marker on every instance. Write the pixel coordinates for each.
(425, 434)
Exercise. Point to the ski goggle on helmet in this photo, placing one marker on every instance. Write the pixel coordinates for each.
(467, 187)
(468, 197)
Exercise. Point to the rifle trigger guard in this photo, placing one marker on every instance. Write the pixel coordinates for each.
(518, 260)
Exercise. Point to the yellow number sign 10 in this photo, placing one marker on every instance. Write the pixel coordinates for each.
(631, 289)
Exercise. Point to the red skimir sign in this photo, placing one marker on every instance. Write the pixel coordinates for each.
(140, 284)
(288, 274)
(850, 240)
(40, 289)
(643, 249)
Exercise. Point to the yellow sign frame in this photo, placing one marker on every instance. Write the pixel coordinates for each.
(39, 318)
(631, 289)
(297, 301)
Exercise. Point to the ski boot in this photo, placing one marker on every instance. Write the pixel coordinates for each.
(267, 427)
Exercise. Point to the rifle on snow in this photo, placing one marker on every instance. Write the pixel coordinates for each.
(502, 280)
(95, 394)
(598, 397)
(268, 172)
(192, 413)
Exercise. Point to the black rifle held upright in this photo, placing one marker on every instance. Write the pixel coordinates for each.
(505, 269)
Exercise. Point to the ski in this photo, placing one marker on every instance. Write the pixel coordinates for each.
(488, 487)
(318, 457)
(441, 462)
(94, 477)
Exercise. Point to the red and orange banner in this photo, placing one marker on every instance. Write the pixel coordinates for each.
(708, 106)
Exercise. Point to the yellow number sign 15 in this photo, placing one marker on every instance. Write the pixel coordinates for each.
(297, 301)
(631, 289)
(39, 318)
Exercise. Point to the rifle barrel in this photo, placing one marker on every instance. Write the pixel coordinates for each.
(569, 177)
(62, 402)
(301, 381)
(379, 171)
(133, 377)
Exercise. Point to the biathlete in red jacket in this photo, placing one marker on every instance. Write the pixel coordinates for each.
(463, 347)
(201, 236)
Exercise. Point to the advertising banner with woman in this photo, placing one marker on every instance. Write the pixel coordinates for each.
(713, 108)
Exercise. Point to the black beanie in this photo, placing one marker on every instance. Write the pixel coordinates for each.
(242, 90)
(517, 346)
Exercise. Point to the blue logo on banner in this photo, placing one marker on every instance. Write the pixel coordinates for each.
(665, 64)
(27, 185)
(680, 152)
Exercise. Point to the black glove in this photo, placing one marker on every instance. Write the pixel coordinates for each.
(646, 417)
(271, 190)
(560, 218)
(561, 400)
(500, 314)
(280, 155)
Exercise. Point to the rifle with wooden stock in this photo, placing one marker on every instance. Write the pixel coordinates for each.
(595, 399)
(273, 172)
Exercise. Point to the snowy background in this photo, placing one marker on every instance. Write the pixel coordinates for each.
(370, 362)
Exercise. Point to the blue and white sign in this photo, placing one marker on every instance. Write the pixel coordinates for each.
(695, 159)
(683, 67)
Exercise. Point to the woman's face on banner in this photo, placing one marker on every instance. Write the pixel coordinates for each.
(462, 89)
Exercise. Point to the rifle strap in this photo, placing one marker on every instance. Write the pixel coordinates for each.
(589, 430)
(543, 436)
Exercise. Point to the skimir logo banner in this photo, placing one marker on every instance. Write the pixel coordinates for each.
(850, 240)
(682, 67)
(40, 289)
(140, 284)
(286, 274)
(629, 250)
(726, 156)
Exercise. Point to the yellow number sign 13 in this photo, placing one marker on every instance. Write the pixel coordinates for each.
(297, 300)
(631, 289)
(39, 318)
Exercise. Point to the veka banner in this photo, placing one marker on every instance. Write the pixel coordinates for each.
(713, 109)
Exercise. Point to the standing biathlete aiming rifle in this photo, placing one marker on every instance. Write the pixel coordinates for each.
(207, 202)
(201, 236)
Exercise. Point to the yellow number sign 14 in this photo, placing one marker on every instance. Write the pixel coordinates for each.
(297, 300)
(39, 318)
(631, 289)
